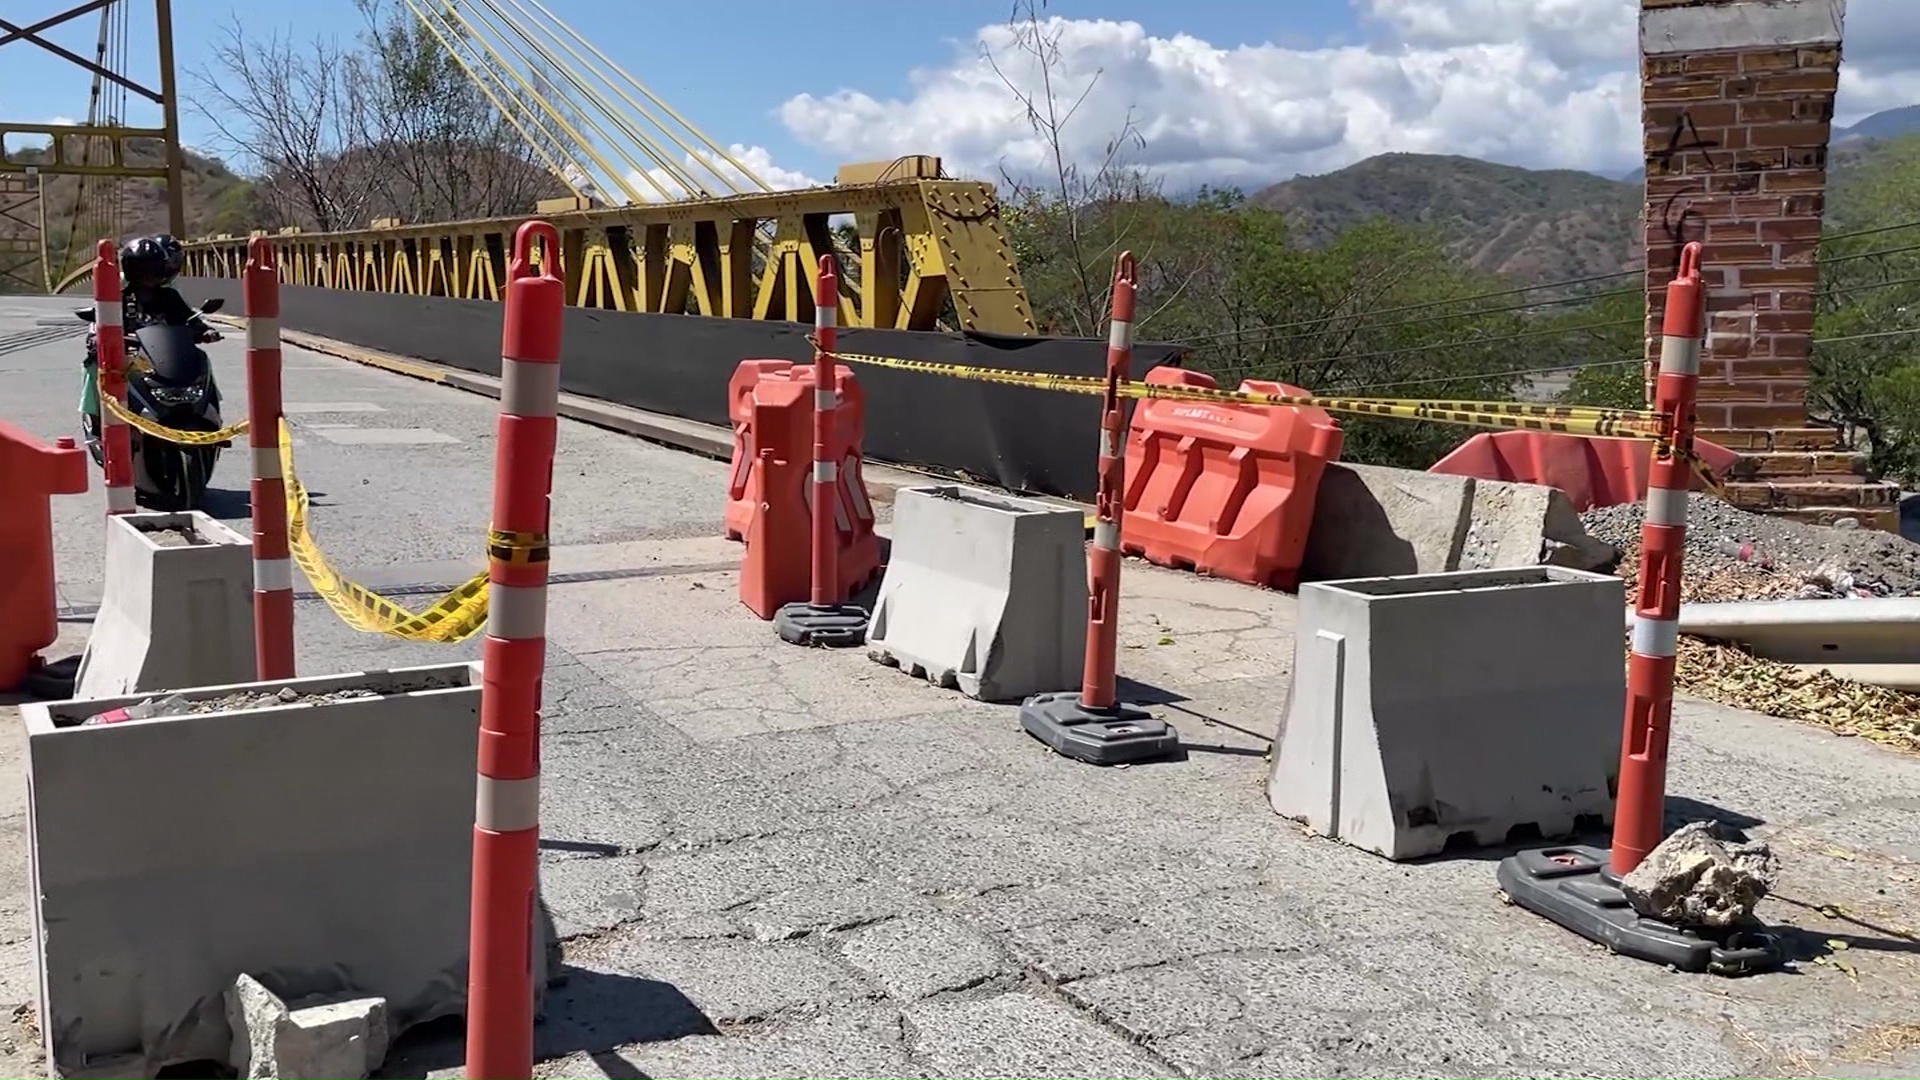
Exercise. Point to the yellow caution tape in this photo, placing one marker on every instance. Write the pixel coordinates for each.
(1523, 416)
(1637, 424)
(453, 618)
(172, 435)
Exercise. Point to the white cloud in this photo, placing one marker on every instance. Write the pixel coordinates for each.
(702, 169)
(1541, 83)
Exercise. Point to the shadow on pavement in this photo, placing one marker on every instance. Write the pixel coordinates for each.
(226, 504)
(592, 1012)
(585, 1011)
(1733, 825)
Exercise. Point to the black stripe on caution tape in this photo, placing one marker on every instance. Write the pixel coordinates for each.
(517, 548)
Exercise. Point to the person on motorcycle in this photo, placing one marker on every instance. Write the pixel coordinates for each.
(148, 265)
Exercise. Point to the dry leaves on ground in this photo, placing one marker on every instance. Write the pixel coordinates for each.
(1729, 675)
(1726, 674)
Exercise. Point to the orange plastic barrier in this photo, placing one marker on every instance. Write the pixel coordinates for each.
(30, 473)
(1226, 490)
(1593, 472)
(772, 481)
(850, 419)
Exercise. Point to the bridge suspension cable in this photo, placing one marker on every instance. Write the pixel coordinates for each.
(564, 169)
(99, 202)
(587, 119)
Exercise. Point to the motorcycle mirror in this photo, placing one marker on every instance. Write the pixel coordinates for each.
(84, 314)
(213, 305)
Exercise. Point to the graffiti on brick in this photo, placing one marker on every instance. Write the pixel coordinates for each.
(1678, 219)
(1683, 136)
(1682, 223)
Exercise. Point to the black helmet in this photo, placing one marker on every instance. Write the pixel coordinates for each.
(149, 262)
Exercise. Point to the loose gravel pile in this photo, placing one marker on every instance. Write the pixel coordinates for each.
(286, 695)
(1735, 555)
(1726, 546)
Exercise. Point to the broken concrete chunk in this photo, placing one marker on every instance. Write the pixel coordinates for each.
(325, 1037)
(1375, 521)
(1696, 881)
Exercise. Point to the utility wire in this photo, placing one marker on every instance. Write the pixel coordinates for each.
(1584, 365)
(1246, 365)
(1524, 289)
(1238, 368)
(1425, 305)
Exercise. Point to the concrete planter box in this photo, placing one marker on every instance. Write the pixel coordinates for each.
(177, 611)
(984, 593)
(1432, 711)
(322, 845)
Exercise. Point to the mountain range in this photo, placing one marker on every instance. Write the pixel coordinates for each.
(1534, 224)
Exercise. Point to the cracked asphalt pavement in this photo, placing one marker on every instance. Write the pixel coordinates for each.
(770, 861)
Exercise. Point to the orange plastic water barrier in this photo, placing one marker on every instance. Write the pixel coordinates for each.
(772, 480)
(1592, 472)
(850, 417)
(31, 472)
(1224, 489)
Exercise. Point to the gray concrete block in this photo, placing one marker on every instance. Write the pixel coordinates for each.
(1446, 706)
(1511, 525)
(330, 1037)
(984, 592)
(324, 845)
(177, 610)
(1375, 521)
(1370, 521)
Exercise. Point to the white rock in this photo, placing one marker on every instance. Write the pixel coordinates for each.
(325, 1037)
(1694, 880)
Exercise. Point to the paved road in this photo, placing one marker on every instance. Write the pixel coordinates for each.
(779, 862)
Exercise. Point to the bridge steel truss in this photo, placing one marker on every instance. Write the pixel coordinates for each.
(72, 146)
(922, 243)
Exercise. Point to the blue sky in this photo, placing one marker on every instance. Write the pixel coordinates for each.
(868, 44)
(1244, 92)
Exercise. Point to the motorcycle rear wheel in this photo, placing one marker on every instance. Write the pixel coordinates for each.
(177, 476)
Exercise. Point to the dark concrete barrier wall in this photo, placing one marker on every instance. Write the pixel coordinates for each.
(1027, 440)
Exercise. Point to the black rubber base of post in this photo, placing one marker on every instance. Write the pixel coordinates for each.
(831, 625)
(1575, 888)
(1114, 736)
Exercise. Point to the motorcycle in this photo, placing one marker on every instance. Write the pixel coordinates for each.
(170, 381)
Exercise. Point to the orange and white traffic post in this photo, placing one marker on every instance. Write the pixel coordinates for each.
(506, 828)
(1093, 725)
(826, 618)
(1578, 886)
(110, 352)
(273, 648)
(1640, 806)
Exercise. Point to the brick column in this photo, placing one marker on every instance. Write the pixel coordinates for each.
(1736, 100)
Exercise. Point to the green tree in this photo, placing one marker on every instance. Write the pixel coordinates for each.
(1605, 344)
(1864, 365)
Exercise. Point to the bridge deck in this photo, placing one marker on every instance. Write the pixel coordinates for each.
(777, 861)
